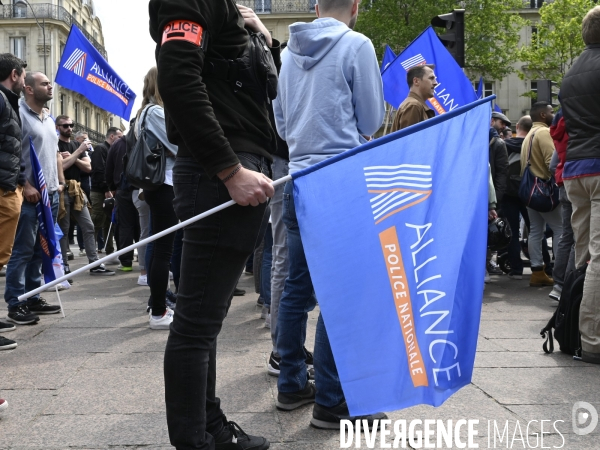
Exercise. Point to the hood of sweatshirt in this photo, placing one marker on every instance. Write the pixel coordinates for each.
(513, 145)
(310, 42)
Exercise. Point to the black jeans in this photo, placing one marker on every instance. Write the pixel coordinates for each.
(215, 250)
(128, 223)
(162, 216)
(510, 208)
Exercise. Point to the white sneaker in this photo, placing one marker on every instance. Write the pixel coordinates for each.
(163, 323)
(82, 252)
(143, 280)
(486, 279)
(112, 262)
(170, 276)
(556, 292)
(264, 311)
(53, 288)
(268, 321)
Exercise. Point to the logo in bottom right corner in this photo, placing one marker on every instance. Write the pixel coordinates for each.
(585, 418)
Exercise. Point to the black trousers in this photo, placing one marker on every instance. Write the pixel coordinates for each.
(162, 216)
(128, 224)
(215, 250)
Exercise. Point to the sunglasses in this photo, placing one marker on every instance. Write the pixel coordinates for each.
(67, 125)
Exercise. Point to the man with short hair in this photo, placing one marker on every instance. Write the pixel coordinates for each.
(325, 56)
(580, 100)
(100, 191)
(511, 205)
(12, 172)
(539, 141)
(75, 161)
(421, 82)
(24, 269)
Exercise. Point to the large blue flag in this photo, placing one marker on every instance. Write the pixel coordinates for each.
(52, 264)
(388, 57)
(454, 89)
(395, 236)
(83, 69)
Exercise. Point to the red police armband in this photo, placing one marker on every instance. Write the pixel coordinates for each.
(183, 30)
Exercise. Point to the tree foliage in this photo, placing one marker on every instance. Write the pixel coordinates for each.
(557, 43)
(491, 29)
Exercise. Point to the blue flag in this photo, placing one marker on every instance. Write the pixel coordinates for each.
(395, 235)
(497, 108)
(52, 263)
(479, 92)
(388, 57)
(83, 69)
(454, 87)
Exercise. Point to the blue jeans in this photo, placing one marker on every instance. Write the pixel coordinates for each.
(265, 270)
(24, 269)
(297, 300)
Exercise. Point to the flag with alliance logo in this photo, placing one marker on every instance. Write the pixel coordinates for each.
(52, 263)
(83, 69)
(454, 88)
(395, 235)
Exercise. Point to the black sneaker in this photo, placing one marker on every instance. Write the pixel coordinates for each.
(101, 271)
(7, 344)
(329, 418)
(238, 292)
(293, 400)
(232, 437)
(7, 326)
(273, 366)
(493, 269)
(309, 359)
(43, 307)
(22, 316)
(67, 272)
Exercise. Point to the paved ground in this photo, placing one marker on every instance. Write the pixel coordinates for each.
(94, 379)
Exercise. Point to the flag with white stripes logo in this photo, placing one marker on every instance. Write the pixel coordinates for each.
(395, 233)
(417, 60)
(76, 62)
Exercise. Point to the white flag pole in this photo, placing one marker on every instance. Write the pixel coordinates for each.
(138, 244)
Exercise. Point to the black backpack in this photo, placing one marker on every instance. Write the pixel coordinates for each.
(513, 177)
(565, 319)
(254, 71)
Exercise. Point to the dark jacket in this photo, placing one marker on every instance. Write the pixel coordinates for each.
(205, 118)
(580, 101)
(114, 165)
(98, 159)
(498, 163)
(513, 145)
(12, 171)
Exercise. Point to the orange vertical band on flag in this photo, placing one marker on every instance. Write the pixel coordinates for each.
(438, 107)
(399, 283)
(183, 30)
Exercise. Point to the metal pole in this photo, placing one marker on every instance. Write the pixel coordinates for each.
(43, 33)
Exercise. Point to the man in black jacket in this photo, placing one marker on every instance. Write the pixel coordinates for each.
(580, 101)
(99, 190)
(225, 140)
(12, 170)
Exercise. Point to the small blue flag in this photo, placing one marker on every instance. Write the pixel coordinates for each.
(83, 69)
(479, 92)
(388, 57)
(454, 87)
(395, 236)
(497, 108)
(52, 263)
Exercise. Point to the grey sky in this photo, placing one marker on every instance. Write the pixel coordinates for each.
(127, 41)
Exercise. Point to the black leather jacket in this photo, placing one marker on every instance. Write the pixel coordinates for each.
(11, 172)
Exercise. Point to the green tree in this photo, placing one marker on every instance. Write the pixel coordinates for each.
(557, 42)
(491, 29)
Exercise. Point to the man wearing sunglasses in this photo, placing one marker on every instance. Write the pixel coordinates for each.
(75, 163)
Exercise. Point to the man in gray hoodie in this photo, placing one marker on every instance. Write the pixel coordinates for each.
(330, 100)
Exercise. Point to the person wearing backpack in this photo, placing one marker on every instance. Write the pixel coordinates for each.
(511, 205)
(580, 102)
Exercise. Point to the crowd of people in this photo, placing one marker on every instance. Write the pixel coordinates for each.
(248, 137)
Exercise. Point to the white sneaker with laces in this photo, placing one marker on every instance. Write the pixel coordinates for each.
(163, 322)
(143, 280)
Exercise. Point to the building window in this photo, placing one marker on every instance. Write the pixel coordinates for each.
(87, 117)
(98, 123)
(534, 91)
(20, 9)
(17, 47)
(62, 104)
(84, 25)
(262, 6)
(488, 89)
(77, 112)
